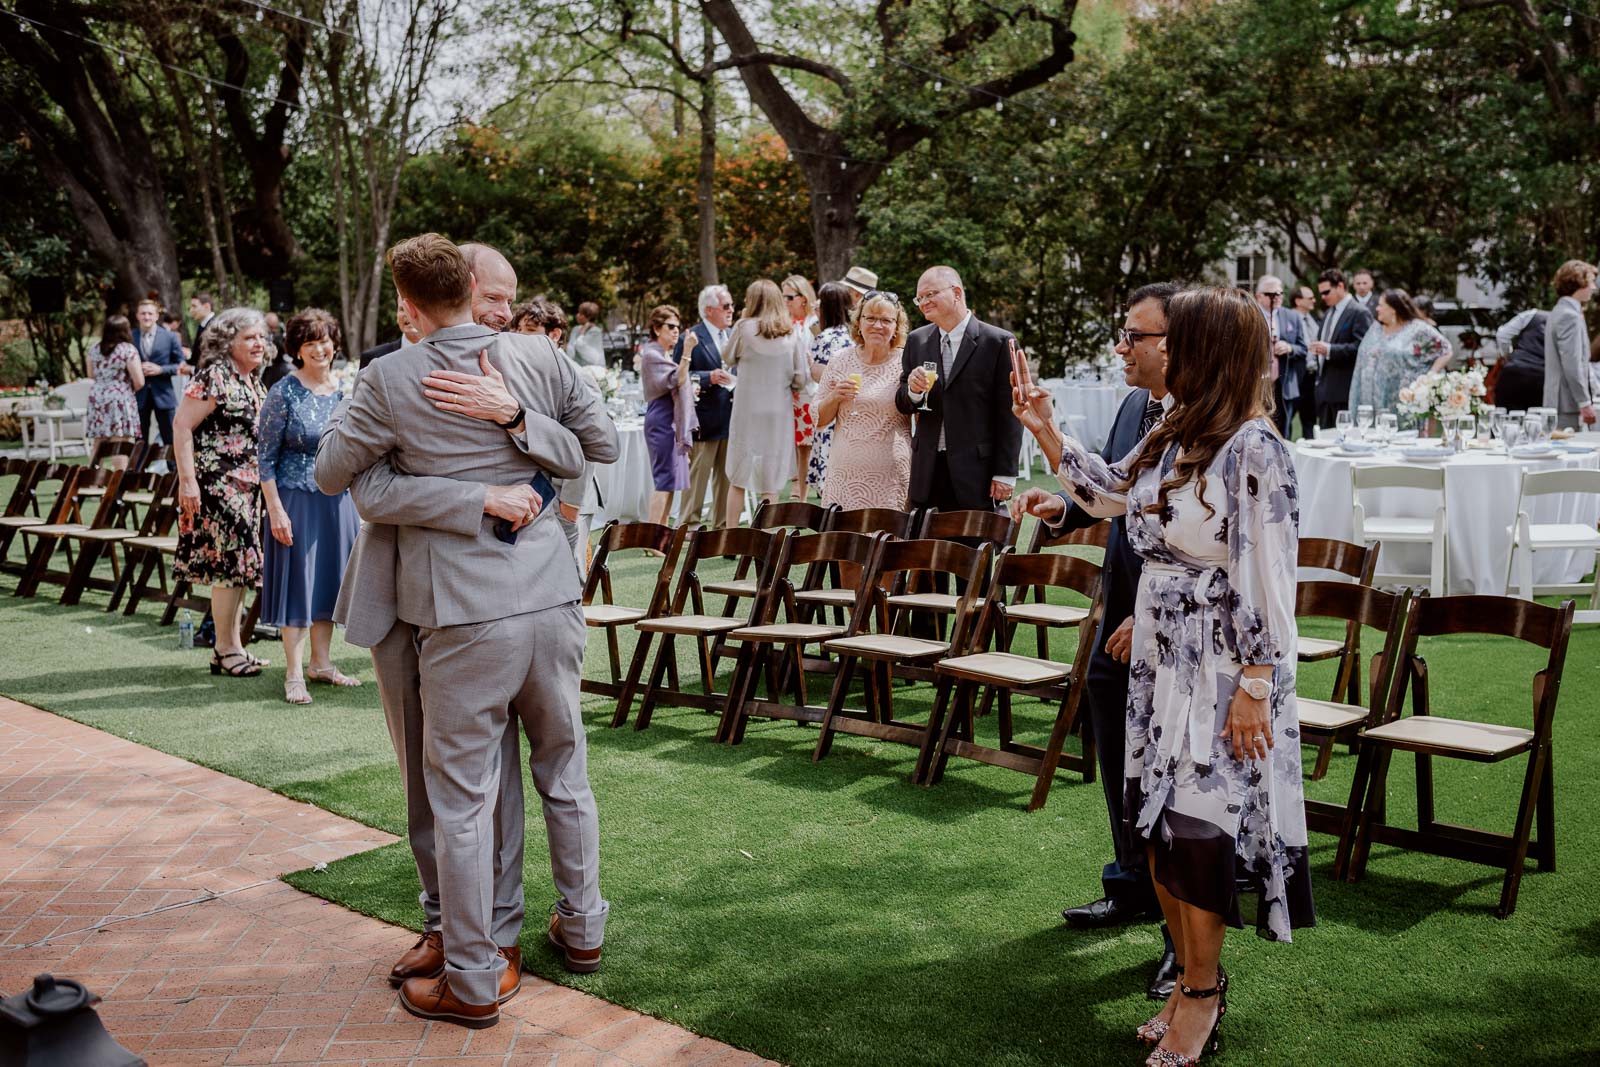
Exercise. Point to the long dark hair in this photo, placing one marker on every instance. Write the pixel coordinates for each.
(1218, 352)
(833, 305)
(1401, 304)
(116, 331)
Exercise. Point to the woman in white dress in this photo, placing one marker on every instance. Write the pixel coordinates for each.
(769, 358)
(1212, 506)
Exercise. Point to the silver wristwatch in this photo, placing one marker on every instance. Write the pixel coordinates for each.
(1258, 688)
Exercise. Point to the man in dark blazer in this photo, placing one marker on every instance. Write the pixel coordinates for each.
(708, 458)
(1288, 349)
(1128, 892)
(408, 336)
(161, 352)
(1364, 287)
(964, 453)
(1338, 340)
(202, 312)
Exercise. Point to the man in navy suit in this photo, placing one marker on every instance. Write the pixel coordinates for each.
(1129, 894)
(708, 458)
(1288, 350)
(162, 354)
(1338, 341)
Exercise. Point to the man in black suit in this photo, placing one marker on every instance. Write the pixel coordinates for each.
(1128, 893)
(964, 454)
(408, 336)
(1338, 340)
(200, 310)
(708, 458)
(1364, 286)
(162, 355)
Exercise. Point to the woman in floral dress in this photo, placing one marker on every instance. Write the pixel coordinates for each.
(1212, 507)
(833, 315)
(118, 375)
(219, 497)
(872, 468)
(1392, 356)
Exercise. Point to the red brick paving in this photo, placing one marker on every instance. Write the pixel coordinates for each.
(155, 883)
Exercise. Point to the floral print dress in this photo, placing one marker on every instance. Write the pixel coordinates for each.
(828, 343)
(1217, 593)
(1387, 363)
(113, 405)
(224, 547)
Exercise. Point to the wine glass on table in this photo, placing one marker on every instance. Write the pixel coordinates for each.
(1388, 426)
(931, 370)
(1342, 423)
(1364, 414)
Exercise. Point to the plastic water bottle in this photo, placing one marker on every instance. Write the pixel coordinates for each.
(185, 630)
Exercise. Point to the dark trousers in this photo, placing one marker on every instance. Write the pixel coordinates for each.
(1306, 406)
(1127, 876)
(163, 419)
(1519, 388)
(942, 493)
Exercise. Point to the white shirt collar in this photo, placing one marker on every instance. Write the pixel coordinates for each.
(958, 334)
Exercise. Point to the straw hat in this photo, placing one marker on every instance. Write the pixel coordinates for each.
(860, 279)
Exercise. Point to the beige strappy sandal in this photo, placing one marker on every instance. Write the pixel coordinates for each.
(332, 676)
(295, 692)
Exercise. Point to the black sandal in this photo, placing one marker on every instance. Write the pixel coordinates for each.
(1165, 1057)
(235, 665)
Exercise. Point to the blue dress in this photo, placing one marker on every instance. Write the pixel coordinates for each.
(300, 583)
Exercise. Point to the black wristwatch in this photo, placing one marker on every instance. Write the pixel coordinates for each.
(518, 417)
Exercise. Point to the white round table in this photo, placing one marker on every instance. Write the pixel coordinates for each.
(1095, 403)
(1481, 489)
(621, 490)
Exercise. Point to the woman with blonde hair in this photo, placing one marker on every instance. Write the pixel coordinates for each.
(871, 446)
(769, 357)
(800, 301)
(1213, 508)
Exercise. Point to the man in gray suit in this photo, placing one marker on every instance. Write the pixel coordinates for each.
(497, 629)
(1566, 347)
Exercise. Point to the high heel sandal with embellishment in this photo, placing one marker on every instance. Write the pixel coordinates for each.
(235, 664)
(1154, 1028)
(1165, 1057)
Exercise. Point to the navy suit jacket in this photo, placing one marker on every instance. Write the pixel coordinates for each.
(715, 406)
(1119, 576)
(167, 351)
(1333, 388)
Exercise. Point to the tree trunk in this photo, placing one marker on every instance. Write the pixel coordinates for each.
(706, 184)
(835, 223)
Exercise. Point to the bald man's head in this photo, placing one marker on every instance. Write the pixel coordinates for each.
(494, 285)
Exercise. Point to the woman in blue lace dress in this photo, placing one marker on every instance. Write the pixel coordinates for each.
(1401, 349)
(833, 315)
(309, 534)
(1213, 751)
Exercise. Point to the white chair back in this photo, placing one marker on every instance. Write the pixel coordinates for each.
(1393, 476)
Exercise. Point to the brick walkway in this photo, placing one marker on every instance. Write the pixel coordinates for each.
(154, 882)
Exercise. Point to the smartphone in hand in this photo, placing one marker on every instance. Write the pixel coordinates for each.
(503, 530)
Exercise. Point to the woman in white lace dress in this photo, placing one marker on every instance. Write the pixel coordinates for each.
(870, 461)
(1213, 737)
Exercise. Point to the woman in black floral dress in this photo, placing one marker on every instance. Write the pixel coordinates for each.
(219, 482)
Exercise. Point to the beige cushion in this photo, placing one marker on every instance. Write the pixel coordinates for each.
(168, 545)
(1047, 614)
(891, 645)
(742, 587)
(1477, 738)
(1317, 646)
(945, 602)
(1387, 528)
(691, 624)
(104, 534)
(1328, 714)
(17, 522)
(58, 529)
(138, 496)
(788, 631)
(1007, 667)
(842, 597)
(610, 614)
(92, 490)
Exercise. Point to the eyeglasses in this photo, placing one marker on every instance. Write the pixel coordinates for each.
(1133, 337)
(671, 326)
(923, 298)
(882, 294)
(1273, 296)
(875, 320)
(791, 296)
(725, 307)
(1324, 292)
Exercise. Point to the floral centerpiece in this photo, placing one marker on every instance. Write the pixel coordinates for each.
(606, 379)
(1445, 394)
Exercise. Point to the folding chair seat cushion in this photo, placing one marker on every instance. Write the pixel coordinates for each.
(139, 496)
(788, 631)
(17, 522)
(611, 614)
(1005, 668)
(1046, 614)
(738, 587)
(1563, 535)
(1472, 740)
(58, 529)
(109, 533)
(1396, 528)
(887, 646)
(169, 545)
(926, 601)
(840, 597)
(1328, 714)
(1317, 647)
(690, 624)
(92, 491)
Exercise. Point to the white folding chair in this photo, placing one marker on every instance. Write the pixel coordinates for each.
(1392, 530)
(1528, 537)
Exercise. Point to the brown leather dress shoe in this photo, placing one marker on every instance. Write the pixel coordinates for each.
(425, 959)
(576, 960)
(431, 998)
(511, 980)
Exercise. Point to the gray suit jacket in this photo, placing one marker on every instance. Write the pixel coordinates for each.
(1566, 358)
(445, 566)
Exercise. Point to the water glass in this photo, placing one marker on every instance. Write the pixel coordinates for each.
(1533, 428)
(1341, 424)
(1364, 418)
(1388, 426)
(1497, 424)
(1466, 428)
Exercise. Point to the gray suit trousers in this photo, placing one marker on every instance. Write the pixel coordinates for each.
(394, 660)
(708, 468)
(473, 677)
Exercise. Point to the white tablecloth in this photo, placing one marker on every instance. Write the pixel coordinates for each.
(1095, 402)
(1481, 493)
(621, 490)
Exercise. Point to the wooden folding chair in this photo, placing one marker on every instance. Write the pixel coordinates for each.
(766, 644)
(606, 614)
(1354, 561)
(870, 637)
(891, 521)
(792, 515)
(926, 604)
(757, 550)
(146, 553)
(32, 503)
(102, 538)
(1042, 615)
(1323, 722)
(1427, 735)
(836, 589)
(950, 728)
(56, 533)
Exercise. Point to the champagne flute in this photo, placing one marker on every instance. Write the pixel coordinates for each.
(1342, 423)
(931, 370)
(855, 380)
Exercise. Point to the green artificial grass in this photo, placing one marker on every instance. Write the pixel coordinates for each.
(832, 913)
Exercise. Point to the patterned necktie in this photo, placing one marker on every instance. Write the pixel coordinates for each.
(946, 357)
(147, 337)
(1152, 415)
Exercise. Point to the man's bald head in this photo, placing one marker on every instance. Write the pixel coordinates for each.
(941, 297)
(494, 285)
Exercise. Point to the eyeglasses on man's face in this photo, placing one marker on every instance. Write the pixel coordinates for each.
(1324, 292)
(1270, 295)
(927, 297)
(1133, 337)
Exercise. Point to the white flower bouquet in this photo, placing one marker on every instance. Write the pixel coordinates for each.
(607, 380)
(1444, 394)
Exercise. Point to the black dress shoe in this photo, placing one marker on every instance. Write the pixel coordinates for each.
(1166, 977)
(1107, 911)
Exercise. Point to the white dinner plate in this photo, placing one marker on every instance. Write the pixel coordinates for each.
(1425, 455)
(1541, 453)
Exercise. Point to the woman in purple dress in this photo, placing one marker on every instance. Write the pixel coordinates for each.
(669, 420)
